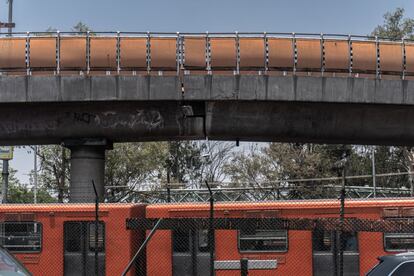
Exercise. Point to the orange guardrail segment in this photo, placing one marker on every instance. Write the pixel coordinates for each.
(13, 53)
(252, 52)
(336, 55)
(73, 53)
(409, 54)
(43, 52)
(103, 52)
(364, 56)
(223, 52)
(133, 52)
(163, 53)
(280, 53)
(391, 57)
(195, 52)
(309, 54)
(70, 54)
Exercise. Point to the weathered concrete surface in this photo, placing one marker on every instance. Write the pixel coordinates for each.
(42, 110)
(221, 120)
(205, 88)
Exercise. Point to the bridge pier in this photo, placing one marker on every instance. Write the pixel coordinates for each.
(87, 162)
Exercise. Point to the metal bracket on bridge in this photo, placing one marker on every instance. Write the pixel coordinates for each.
(251, 264)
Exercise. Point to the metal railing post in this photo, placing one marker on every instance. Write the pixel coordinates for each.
(295, 53)
(351, 55)
(88, 52)
(118, 52)
(148, 52)
(96, 228)
(58, 52)
(237, 54)
(208, 54)
(266, 53)
(404, 56)
(322, 54)
(378, 61)
(28, 53)
(211, 238)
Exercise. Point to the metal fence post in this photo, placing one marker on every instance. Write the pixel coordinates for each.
(244, 267)
(96, 228)
(211, 239)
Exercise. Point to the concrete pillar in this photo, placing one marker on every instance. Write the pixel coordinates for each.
(87, 163)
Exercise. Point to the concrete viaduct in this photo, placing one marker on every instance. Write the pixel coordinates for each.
(87, 92)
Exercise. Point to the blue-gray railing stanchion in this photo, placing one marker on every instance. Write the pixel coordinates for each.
(58, 52)
(118, 52)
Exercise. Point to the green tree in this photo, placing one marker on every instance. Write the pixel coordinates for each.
(395, 26)
(134, 166)
(81, 27)
(54, 169)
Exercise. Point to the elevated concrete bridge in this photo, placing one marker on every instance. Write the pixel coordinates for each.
(87, 91)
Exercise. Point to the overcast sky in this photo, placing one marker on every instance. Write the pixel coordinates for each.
(313, 16)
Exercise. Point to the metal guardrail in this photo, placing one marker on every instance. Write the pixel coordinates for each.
(143, 53)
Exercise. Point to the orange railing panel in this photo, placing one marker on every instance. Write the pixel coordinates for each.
(163, 53)
(13, 53)
(223, 52)
(280, 53)
(336, 55)
(133, 52)
(391, 59)
(73, 53)
(409, 55)
(195, 52)
(364, 56)
(309, 54)
(103, 52)
(43, 52)
(252, 52)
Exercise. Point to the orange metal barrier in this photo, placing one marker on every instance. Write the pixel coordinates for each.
(43, 52)
(133, 52)
(391, 57)
(336, 55)
(309, 54)
(103, 53)
(252, 53)
(70, 54)
(223, 53)
(73, 53)
(195, 52)
(280, 53)
(364, 56)
(409, 54)
(12, 53)
(163, 53)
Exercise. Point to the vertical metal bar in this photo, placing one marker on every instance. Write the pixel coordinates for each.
(208, 54)
(178, 53)
(351, 55)
(88, 52)
(27, 53)
(35, 175)
(378, 61)
(148, 52)
(404, 54)
(374, 182)
(237, 53)
(322, 54)
(118, 52)
(10, 21)
(96, 228)
(295, 53)
(244, 267)
(342, 218)
(5, 179)
(58, 52)
(266, 53)
(211, 238)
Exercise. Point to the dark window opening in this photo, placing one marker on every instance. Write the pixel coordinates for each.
(263, 240)
(21, 236)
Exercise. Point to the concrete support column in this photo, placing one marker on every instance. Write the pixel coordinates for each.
(87, 163)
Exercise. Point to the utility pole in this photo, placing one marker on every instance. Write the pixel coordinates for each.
(10, 16)
(374, 178)
(35, 175)
(6, 154)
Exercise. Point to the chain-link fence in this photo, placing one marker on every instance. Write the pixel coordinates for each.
(278, 237)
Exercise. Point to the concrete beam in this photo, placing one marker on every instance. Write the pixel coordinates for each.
(15, 89)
